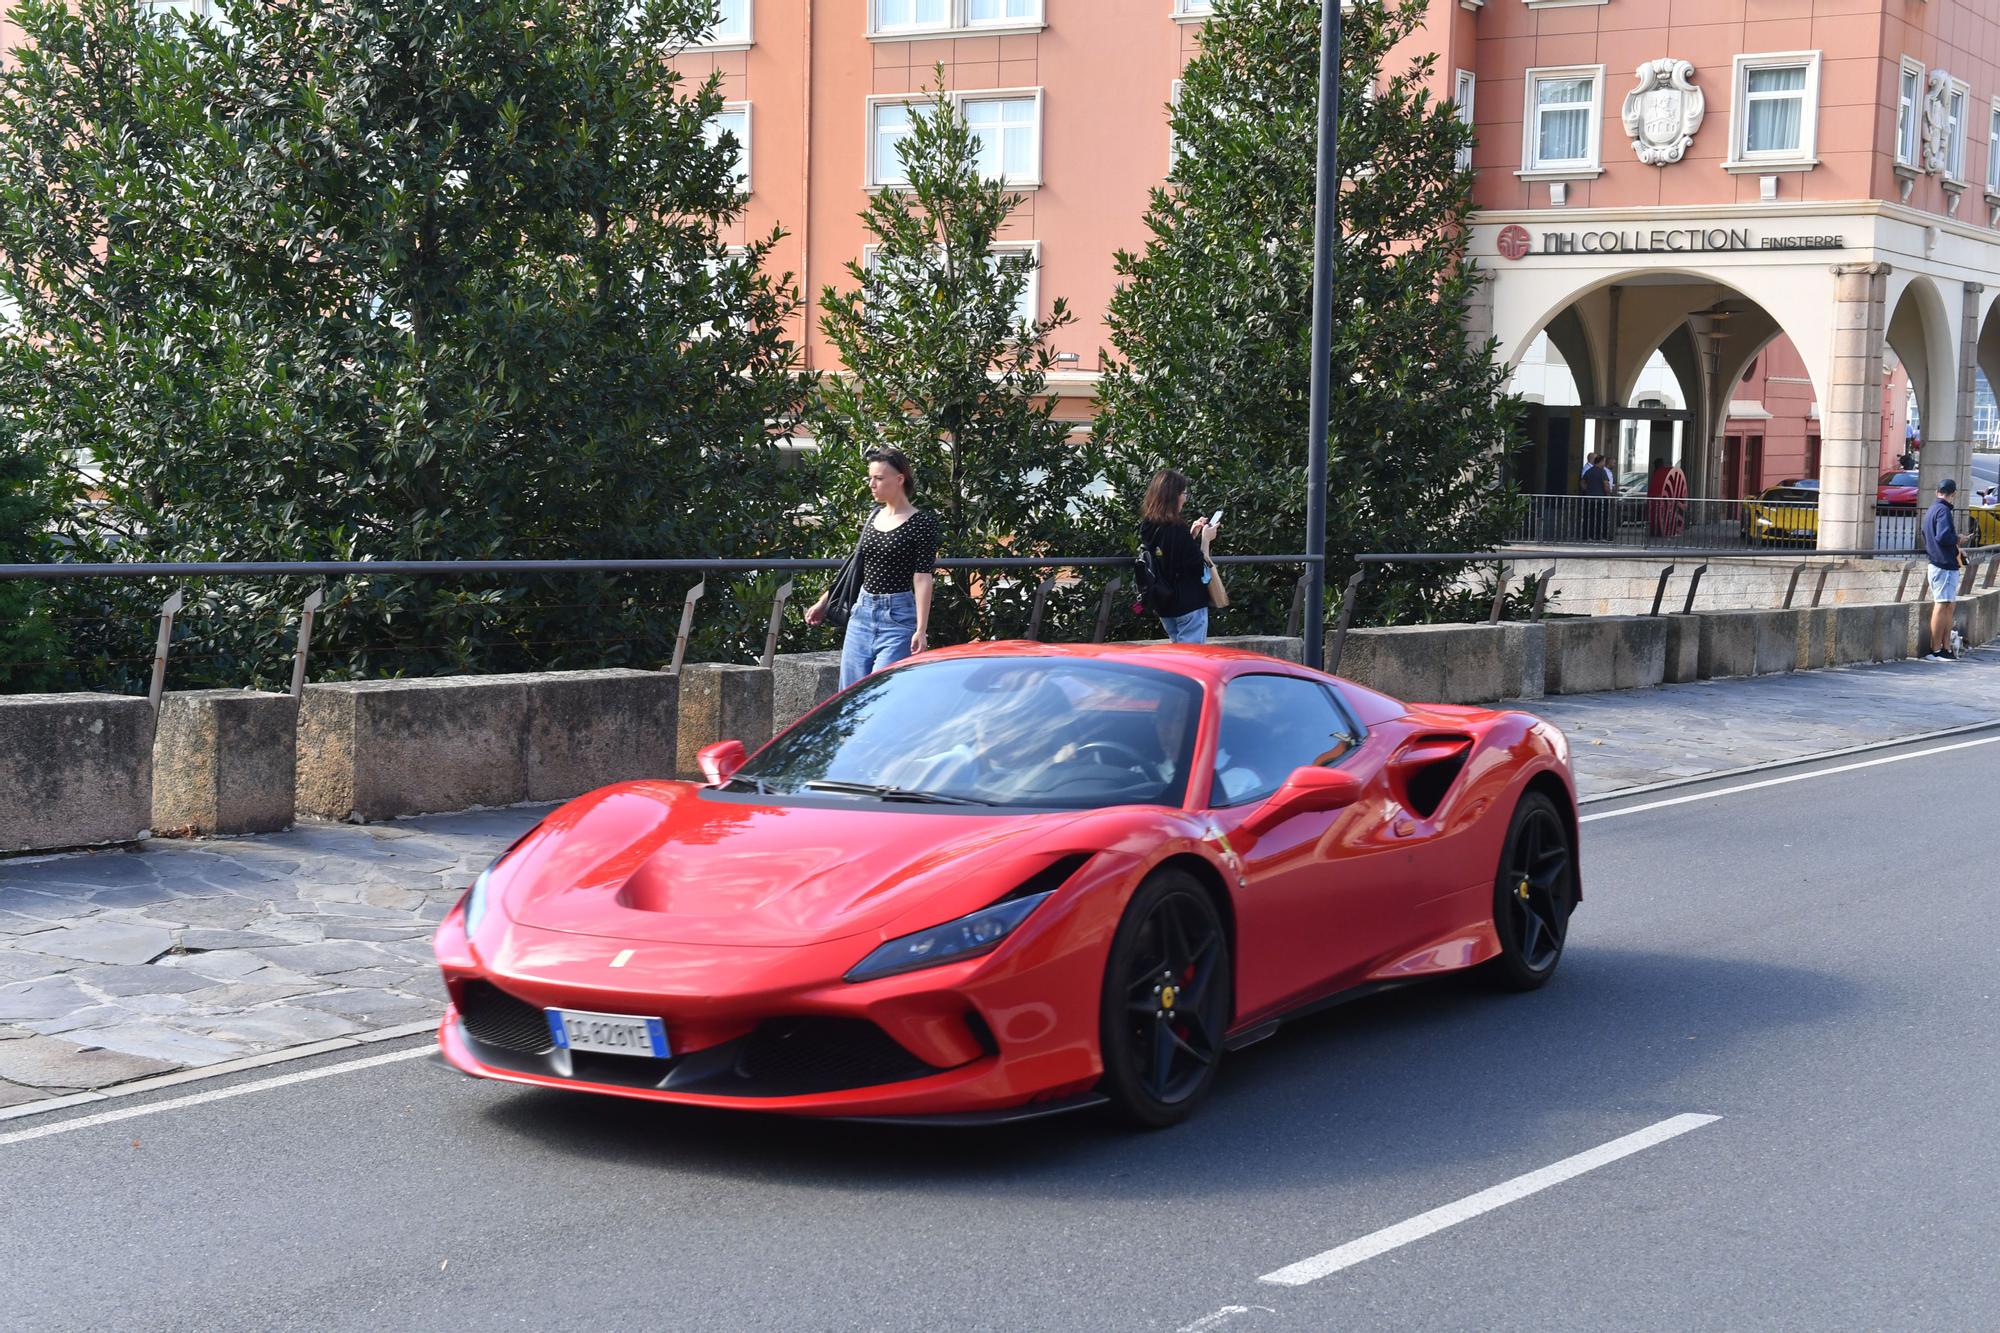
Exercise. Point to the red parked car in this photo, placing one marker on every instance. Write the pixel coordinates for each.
(1896, 490)
(1005, 880)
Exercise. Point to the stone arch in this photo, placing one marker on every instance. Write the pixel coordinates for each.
(1918, 328)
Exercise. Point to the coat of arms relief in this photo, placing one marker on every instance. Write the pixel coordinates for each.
(1664, 111)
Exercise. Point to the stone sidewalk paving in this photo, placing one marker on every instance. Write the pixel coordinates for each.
(122, 964)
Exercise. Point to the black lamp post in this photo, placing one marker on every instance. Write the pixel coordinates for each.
(1326, 196)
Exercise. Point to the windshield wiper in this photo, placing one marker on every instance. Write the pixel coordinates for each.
(884, 792)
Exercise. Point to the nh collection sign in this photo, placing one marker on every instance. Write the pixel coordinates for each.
(1514, 242)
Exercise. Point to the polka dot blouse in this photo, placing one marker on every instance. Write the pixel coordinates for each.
(891, 560)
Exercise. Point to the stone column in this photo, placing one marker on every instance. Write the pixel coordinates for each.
(1948, 453)
(1851, 423)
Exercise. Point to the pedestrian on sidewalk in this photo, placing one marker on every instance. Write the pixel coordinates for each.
(1176, 558)
(1597, 486)
(897, 556)
(1941, 548)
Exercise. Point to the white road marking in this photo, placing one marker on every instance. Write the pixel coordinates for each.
(219, 1094)
(1451, 1214)
(1210, 1322)
(1789, 778)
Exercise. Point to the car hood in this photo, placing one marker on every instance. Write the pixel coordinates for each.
(664, 862)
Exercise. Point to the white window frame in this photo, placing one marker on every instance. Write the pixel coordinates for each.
(1993, 149)
(723, 40)
(189, 11)
(1909, 111)
(743, 143)
(1464, 94)
(1582, 168)
(1173, 109)
(1197, 11)
(1031, 295)
(1803, 158)
(1558, 4)
(872, 168)
(958, 22)
(959, 99)
(1957, 112)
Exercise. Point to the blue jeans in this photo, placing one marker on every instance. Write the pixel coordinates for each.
(878, 633)
(1190, 628)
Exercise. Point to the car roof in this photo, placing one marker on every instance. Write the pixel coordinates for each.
(1205, 661)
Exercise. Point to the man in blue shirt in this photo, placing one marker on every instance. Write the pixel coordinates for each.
(1941, 547)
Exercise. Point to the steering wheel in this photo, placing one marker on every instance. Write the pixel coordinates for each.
(1135, 761)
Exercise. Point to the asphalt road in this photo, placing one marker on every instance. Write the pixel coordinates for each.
(1813, 962)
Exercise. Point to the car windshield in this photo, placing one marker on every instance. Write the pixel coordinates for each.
(1029, 732)
(1899, 478)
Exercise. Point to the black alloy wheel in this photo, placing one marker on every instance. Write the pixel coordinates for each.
(1167, 1001)
(1534, 894)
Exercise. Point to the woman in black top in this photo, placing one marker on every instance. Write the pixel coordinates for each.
(891, 617)
(1177, 558)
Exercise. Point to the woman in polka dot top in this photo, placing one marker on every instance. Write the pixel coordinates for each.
(891, 617)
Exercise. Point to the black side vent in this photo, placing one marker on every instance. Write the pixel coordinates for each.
(495, 1018)
(1050, 877)
(1434, 763)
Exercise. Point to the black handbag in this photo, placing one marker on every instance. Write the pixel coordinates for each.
(845, 589)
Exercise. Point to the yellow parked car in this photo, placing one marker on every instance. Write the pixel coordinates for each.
(1784, 515)
(1984, 521)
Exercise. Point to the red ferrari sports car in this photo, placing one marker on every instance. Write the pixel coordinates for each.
(1010, 879)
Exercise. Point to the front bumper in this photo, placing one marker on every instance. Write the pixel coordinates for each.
(776, 1030)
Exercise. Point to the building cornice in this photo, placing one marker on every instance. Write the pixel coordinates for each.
(1577, 219)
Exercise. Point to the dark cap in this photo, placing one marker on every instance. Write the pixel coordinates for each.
(1947, 487)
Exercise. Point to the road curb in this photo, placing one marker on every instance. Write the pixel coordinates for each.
(236, 1066)
(1796, 761)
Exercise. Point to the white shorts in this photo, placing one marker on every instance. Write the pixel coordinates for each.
(1944, 584)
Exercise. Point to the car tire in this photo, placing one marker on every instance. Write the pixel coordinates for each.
(1534, 892)
(1167, 1000)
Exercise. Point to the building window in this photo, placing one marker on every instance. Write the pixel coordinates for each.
(1174, 108)
(891, 18)
(1777, 119)
(1955, 104)
(1007, 126)
(1194, 9)
(1029, 253)
(1010, 12)
(734, 121)
(1909, 111)
(1993, 149)
(732, 27)
(1562, 122)
(1461, 96)
(888, 125)
(1009, 130)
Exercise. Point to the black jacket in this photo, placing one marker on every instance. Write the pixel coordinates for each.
(1178, 565)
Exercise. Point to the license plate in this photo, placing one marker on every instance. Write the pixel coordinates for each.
(610, 1034)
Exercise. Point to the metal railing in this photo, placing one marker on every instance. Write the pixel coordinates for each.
(1669, 523)
(1061, 569)
(1982, 569)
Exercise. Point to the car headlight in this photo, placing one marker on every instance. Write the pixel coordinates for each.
(475, 899)
(967, 937)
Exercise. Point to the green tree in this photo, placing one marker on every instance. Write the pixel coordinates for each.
(396, 279)
(943, 363)
(1212, 322)
(29, 645)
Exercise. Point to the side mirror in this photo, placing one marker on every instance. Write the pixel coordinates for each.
(1309, 790)
(720, 760)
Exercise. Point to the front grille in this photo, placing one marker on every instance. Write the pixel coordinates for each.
(792, 1056)
(495, 1018)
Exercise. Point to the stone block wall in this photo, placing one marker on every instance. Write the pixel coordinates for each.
(224, 761)
(722, 701)
(1606, 653)
(75, 769)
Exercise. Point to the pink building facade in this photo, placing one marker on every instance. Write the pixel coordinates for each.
(1806, 191)
(1716, 179)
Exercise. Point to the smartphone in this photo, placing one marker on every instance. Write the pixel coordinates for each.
(1215, 518)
